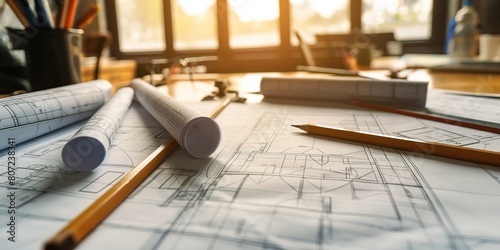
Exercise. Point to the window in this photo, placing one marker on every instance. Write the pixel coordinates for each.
(409, 20)
(253, 23)
(140, 25)
(259, 34)
(320, 16)
(194, 24)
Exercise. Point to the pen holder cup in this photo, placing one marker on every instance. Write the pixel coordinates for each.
(52, 56)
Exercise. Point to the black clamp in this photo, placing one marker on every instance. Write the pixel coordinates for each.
(223, 91)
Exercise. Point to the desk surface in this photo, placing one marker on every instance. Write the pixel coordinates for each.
(117, 72)
(269, 186)
(180, 86)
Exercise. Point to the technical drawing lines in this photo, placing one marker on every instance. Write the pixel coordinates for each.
(101, 182)
(33, 114)
(43, 105)
(274, 189)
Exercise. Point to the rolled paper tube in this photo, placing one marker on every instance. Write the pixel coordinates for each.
(87, 149)
(33, 114)
(197, 134)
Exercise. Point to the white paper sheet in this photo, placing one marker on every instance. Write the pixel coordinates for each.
(268, 186)
(87, 149)
(483, 109)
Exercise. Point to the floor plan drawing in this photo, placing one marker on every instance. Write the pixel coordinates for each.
(479, 107)
(97, 133)
(270, 186)
(33, 114)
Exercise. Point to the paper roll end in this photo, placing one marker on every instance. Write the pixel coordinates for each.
(83, 153)
(201, 137)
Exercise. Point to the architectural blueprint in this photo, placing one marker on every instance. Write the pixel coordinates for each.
(33, 114)
(268, 186)
(478, 107)
(195, 132)
(87, 149)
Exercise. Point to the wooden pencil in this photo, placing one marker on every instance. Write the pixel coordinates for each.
(71, 235)
(62, 14)
(430, 148)
(19, 13)
(425, 116)
(70, 14)
(87, 17)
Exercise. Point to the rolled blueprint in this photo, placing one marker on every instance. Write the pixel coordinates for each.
(26, 116)
(199, 135)
(87, 148)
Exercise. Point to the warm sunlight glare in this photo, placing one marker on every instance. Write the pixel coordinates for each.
(255, 10)
(326, 8)
(195, 7)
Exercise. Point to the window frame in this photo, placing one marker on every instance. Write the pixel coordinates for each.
(284, 57)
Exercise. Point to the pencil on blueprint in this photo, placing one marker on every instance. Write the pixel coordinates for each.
(71, 235)
(430, 148)
(425, 116)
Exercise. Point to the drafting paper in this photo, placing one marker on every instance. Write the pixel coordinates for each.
(87, 148)
(483, 109)
(30, 115)
(267, 186)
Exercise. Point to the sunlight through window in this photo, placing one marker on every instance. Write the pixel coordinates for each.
(140, 25)
(256, 23)
(253, 23)
(320, 16)
(407, 19)
(194, 24)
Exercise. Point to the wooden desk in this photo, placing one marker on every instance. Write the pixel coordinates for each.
(248, 84)
(117, 72)
(469, 82)
(451, 80)
(183, 87)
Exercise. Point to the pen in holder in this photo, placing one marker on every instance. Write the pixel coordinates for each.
(52, 55)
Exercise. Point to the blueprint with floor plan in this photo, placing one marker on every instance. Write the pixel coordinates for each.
(268, 186)
(36, 113)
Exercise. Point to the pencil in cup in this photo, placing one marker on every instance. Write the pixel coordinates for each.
(87, 17)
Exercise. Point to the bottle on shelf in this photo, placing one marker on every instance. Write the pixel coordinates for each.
(463, 44)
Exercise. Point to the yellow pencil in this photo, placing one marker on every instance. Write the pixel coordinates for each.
(71, 235)
(431, 148)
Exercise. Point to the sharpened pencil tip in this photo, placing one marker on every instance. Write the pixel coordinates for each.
(303, 127)
(64, 240)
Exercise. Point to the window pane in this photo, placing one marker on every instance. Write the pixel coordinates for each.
(194, 24)
(408, 19)
(140, 25)
(253, 23)
(320, 16)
